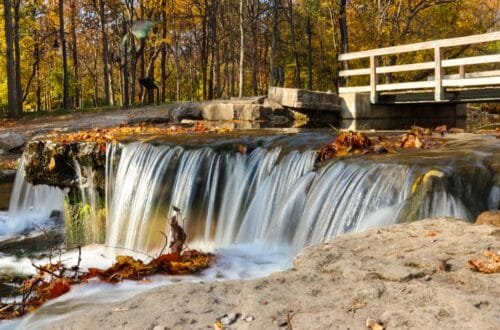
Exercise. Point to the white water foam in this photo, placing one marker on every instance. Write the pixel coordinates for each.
(31, 206)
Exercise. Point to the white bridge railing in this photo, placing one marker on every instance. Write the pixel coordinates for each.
(439, 81)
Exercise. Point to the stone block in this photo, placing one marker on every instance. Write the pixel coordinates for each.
(218, 111)
(302, 99)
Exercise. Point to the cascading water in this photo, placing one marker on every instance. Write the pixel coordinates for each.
(31, 206)
(269, 195)
(274, 193)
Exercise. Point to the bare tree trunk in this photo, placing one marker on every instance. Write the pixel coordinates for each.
(204, 50)
(74, 55)
(62, 36)
(108, 86)
(344, 40)
(124, 64)
(36, 53)
(17, 56)
(242, 50)
(11, 72)
(274, 45)
(254, 10)
(309, 54)
(96, 81)
(293, 46)
(163, 60)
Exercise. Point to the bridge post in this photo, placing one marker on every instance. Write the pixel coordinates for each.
(438, 75)
(373, 80)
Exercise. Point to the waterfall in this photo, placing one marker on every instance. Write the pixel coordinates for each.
(32, 206)
(275, 193)
(269, 195)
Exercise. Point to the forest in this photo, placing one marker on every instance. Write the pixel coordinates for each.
(77, 54)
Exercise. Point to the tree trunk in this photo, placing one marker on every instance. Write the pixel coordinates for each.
(163, 59)
(344, 40)
(309, 54)
(255, 68)
(204, 50)
(274, 45)
(124, 64)
(242, 50)
(11, 72)
(96, 84)
(74, 55)
(62, 36)
(108, 88)
(293, 46)
(17, 57)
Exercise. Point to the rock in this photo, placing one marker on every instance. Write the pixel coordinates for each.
(491, 218)
(159, 327)
(304, 99)
(374, 324)
(248, 318)
(283, 323)
(11, 140)
(251, 112)
(186, 110)
(398, 273)
(380, 149)
(218, 111)
(374, 291)
(229, 319)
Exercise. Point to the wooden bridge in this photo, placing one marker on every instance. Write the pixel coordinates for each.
(444, 80)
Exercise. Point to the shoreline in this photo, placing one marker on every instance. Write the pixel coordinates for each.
(394, 275)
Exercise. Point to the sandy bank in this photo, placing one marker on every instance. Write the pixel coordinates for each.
(393, 274)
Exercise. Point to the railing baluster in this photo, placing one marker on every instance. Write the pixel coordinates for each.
(438, 75)
(373, 80)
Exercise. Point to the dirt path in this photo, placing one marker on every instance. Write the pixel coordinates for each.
(30, 127)
(82, 120)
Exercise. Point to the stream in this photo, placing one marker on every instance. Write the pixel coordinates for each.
(254, 200)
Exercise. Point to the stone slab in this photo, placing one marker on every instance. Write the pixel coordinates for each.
(301, 99)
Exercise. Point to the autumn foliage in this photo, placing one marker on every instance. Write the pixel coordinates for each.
(489, 265)
(55, 279)
(129, 268)
(355, 143)
(103, 135)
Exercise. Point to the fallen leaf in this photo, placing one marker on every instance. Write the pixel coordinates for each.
(490, 266)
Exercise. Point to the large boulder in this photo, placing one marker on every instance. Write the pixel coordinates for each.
(186, 110)
(489, 218)
(11, 140)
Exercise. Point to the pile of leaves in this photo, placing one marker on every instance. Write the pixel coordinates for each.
(55, 279)
(355, 143)
(129, 268)
(7, 123)
(489, 266)
(103, 135)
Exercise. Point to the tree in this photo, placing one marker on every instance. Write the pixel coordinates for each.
(12, 78)
(64, 56)
(108, 85)
(242, 49)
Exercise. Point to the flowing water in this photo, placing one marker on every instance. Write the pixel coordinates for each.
(278, 195)
(30, 206)
(267, 192)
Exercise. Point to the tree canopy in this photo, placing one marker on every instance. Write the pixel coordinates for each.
(90, 53)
